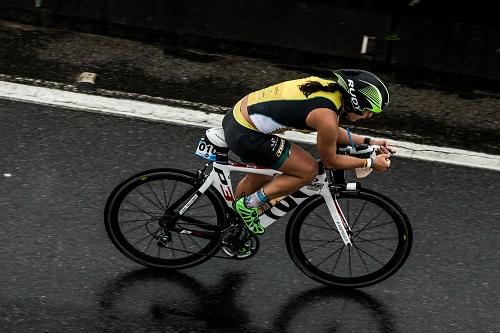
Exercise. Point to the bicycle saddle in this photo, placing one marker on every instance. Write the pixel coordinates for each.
(216, 136)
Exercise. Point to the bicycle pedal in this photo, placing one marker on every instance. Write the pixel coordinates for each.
(247, 250)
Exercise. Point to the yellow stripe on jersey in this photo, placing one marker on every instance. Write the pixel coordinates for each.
(239, 117)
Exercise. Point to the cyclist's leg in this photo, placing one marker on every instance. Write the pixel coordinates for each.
(298, 170)
(251, 183)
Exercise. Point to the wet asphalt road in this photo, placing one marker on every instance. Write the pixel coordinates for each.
(60, 273)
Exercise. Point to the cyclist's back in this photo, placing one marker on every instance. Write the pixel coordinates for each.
(284, 106)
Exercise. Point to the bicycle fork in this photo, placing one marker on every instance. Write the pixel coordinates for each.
(337, 216)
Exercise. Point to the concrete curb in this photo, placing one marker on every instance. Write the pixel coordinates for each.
(188, 116)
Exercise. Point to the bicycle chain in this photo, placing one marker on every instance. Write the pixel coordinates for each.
(201, 254)
(229, 228)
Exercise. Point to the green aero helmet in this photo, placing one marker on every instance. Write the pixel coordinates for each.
(367, 92)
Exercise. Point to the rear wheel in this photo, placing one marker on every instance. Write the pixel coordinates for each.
(142, 221)
(381, 240)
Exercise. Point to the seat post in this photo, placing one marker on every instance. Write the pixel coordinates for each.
(221, 155)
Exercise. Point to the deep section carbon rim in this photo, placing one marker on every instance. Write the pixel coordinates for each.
(381, 240)
(138, 210)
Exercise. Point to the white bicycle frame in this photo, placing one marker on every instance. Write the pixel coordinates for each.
(220, 178)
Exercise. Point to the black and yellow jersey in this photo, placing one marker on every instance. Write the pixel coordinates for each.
(283, 106)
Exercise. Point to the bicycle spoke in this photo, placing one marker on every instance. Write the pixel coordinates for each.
(137, 211)
(319, 240)
(359, 214)
(134, 221)
(337, 261)
(187, 195)
(139, 208)
(140, 241)
(372, 241)
(362, 260)
(171, 194)
(318, 247)
(192, 239)
(369, 255)
(156, 197)
(324, 221)
(329, 256)
(149, 244)
(138, 227)
(350, 262)
(319, 227)
(153, 203)
(373, 227)
(164, 194)
(366, 226)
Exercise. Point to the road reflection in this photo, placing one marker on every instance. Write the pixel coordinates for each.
(147, 300)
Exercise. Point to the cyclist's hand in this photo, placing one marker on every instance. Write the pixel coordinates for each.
(385, 150)
(384, 146)
(381, 162)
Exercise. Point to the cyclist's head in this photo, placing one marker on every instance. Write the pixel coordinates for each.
(364, 90)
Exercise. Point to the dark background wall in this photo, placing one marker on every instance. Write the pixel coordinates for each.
(427, 35)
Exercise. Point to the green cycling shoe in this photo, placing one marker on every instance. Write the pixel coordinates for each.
(249, 215)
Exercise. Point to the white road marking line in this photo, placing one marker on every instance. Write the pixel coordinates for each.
(185, 116)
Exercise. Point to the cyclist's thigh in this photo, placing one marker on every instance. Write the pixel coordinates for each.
(299, 163)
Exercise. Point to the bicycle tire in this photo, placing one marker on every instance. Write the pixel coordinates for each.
(311, 223)
(183, 250)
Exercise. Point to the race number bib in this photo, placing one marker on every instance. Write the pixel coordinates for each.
(205, 150)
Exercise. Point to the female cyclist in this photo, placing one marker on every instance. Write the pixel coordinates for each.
(310, 104)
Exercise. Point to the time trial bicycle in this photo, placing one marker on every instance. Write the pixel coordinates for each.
(339, 234)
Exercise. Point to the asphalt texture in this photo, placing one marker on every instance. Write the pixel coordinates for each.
(424, 109)
(60, 272)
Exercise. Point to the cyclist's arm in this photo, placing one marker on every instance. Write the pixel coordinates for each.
(324, 121)
(343, 138)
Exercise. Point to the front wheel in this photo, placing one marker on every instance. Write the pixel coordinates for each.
(142, 220)
(381, 240)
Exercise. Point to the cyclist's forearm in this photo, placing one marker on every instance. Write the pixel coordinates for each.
(343, 138)
(327, 148)
(343, 162)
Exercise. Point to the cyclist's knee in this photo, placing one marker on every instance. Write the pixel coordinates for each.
(301, 165)
(309, 172)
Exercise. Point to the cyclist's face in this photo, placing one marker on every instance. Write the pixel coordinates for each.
(355, 117)
(351, 115)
